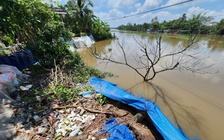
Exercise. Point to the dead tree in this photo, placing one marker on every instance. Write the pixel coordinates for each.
(152, 59)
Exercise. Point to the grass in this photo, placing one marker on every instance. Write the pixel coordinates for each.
(66, 80)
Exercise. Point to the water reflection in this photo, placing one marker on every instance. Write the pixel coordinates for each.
(102, 45)
(172, 40)
(180, 114)
(216, 43)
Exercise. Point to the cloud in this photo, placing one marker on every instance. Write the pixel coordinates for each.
(195, 11)
(115, 13)
(162, 15)
(171, 2)
(119, 4)
(103, 15)
(137, 5)
(217, 15)
(97, 4)
(151, 3)
(148, 4)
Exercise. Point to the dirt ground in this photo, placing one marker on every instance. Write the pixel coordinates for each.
(83, 119)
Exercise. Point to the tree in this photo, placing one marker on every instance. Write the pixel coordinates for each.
(220, 27)
(100, 30)
(80, 18)
(80, 14)
(155, 19)
(33, 24)
(155, 23)
(197, 24)
(149, 58)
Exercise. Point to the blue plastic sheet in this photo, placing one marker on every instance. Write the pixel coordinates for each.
(21, 59)
(161, 122)
(118, 132)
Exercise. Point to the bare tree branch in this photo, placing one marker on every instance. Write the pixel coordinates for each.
(155, 59)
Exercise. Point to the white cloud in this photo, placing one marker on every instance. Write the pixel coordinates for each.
(217, 15)
(103, 16)
(137, 5)
(162, 15)
(115, 13)
(120, 4)
(146, 6)
(98, 3)
(170, 2)
(195, 11)
(149, 4)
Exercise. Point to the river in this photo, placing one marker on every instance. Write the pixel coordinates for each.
(194, 101)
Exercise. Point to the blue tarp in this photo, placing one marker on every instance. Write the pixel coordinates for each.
(161, 122)
(21, 59)
(118, 132)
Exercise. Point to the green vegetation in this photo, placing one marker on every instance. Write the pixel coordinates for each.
(33, 24)
(37, 26)
(198, 24)
(80, 19)
(220, 28)
(100, 30)
(79, 16)
(67, 79)
(102, 99)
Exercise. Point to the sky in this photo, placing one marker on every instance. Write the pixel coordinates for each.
(109, 10)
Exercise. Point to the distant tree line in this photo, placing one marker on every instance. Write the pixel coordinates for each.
(197, 24)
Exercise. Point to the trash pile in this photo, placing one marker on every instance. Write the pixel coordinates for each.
(84, 119)
(10, 79)
(88, 116)
(57, 121)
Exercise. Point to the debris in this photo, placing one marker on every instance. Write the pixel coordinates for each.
(120, 112)
(25, 88)
(37, 118)
(75, 132)
(86, 94)
(41, 130)
(18, 98)
(38, 98)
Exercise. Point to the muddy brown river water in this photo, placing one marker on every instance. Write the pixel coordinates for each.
(193, 101)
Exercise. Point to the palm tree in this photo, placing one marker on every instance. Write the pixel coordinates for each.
(81, 14)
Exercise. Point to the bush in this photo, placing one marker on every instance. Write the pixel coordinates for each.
(100, 30)
(80, 72)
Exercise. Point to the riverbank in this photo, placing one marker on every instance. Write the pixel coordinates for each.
(210, 38)
(41, 113)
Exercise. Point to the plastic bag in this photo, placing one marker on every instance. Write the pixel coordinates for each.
(11, 69)
(10, 79)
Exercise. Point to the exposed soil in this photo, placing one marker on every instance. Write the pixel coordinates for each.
(84, 118)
